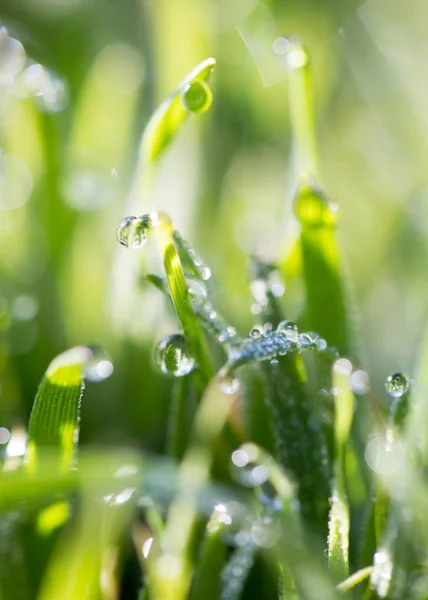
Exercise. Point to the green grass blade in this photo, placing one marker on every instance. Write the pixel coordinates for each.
(326, 300)
(207, 579)
(55, 416)
(183, 303)
(182, 412)
(168, 119)
(354, 579)
(299, 437)
(302, 111)
(339, 521)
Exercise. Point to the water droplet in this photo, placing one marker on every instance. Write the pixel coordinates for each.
(256, 332)
(384, 456)
(397, 384)
(205, 273)
(321, 344)
(343, 366)
(265, 531)
(25, 308)
(99, 366)
(12, 57)
(16, 182)
(197, 97)
(197, 291)
(88, 191)
(173, 357)
(313, 208)
(285, 326)
(228, 384)
(305, 341)
(132, 232)
(381, 575)
(360, 382)
(4, 435)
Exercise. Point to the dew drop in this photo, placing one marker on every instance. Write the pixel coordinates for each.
(132, 232)
(197, 291)
(197, 97)
(360, 382)
(173, 357)
(397, 384)
(256, 332)
(305, 341)
(99, 366)
(12, 56)
(228, 384)
(285, 326)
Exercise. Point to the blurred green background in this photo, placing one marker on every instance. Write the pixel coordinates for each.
(69, 134)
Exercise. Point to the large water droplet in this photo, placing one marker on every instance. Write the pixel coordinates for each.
(132, 232)
(173, 357)
(289, 329)
(197, 97)
(397, 384)
(197, 291)
(256, 332)
(360, 382)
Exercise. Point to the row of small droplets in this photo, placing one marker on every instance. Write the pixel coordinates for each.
(264, 343)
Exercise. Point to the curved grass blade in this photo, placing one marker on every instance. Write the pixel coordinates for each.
(355, 579)
(170, 116)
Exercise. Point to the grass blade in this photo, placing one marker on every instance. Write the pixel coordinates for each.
(339, 521)
(54, 419)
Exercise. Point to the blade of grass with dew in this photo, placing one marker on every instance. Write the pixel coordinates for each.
(178, 543)
(327, 310)
(54, 420)
(339, 520)
(300, 440)
(164, 125)
(207, 578)
(183, 303)
(236, 572)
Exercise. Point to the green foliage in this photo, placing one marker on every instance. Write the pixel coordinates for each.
(266, 470)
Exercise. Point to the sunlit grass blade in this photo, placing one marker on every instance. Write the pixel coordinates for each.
(171, 114)
(327, 307)
(339, 521)
(54, 421)
(182, 301)
(207, 579)
(355, 579)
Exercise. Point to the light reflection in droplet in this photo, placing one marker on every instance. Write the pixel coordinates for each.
(4, 435)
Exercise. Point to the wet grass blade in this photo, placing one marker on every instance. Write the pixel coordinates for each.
(207, 579)
(168, 119)
(183, 303)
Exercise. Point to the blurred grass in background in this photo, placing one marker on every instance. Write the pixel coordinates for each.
(66, 168)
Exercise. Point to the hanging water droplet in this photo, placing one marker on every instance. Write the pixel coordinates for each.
(397, 384)
(98, 366)
(197, 97)
(12, 56)
(228, 384)
(313, 208)
(305, 341)
(360, 382)
(256, 332)
(289, 329)
(197, 291)
(132, 232)
(173, 357)
(205, 273)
